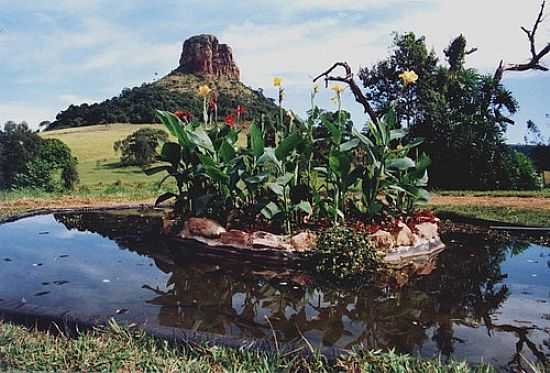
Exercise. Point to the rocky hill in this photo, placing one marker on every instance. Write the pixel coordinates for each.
(203, 61)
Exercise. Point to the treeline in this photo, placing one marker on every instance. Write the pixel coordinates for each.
(137, 105)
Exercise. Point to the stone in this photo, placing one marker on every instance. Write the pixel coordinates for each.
(203, 55)
(427, 231)
(382, 240)
(405, 237)
(202, 227)
(269, 240)
(236, 238)
(304, 241)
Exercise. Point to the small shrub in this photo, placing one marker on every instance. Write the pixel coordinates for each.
(345, 255)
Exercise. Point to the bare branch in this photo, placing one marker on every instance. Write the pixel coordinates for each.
(348, 79)
(536, 57)
(471, 51)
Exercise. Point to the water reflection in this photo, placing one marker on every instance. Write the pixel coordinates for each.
(481, 301)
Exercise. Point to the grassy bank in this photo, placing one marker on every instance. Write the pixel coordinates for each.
(116, 348)
(519, 216)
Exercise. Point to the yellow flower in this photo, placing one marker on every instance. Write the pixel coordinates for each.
(338, 88)
(277, 81)
(204, 90)
(408, 77)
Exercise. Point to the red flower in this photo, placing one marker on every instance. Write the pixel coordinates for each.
(240, 110)
(184, 115)
(213, 104)
(230, 120)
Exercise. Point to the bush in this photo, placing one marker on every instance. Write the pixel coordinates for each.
(28, 161)
(522, 173)
(344, 254)
(140, 148)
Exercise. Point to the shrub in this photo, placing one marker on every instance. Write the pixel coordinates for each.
(344, 254)
(140, 148)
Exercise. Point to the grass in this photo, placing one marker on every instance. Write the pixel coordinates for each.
(97, 161)
(544, 193)
(520, 216)
(121, 349)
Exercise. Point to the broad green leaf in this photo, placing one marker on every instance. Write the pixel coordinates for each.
(270, 211)
(349, 145)
(256, 179)
(164, 197)
(256, 140)
(269, 157)
(285, 179)
(364, 139)
(200, 138)
(276, 188)
(398, 134)
(171, 152)
(304, 206)
(287, 146)
(400, 164)
(156, 170)
(226, 151)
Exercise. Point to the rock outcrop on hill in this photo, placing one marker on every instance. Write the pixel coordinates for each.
(204, 55)
(203, 61)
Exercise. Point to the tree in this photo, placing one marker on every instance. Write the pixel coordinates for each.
(140, 148)
(28, 161)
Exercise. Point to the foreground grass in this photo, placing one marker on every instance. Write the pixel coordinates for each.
(116, 348)
(520, 216)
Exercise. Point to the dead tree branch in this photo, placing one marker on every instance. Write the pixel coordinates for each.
(536, 57)
(348, 79)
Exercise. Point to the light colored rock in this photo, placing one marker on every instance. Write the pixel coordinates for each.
(427, 231)
(303, 241)
(203, 227)
(236, 238)
(269, 240)
(382, 240)
(405, 237)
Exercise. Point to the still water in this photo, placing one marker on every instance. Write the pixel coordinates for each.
(483, 302)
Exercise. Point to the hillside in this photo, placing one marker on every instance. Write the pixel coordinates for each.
(203, 61)
(97, 161)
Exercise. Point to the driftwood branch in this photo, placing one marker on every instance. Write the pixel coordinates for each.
(348, 79)
(536, 56)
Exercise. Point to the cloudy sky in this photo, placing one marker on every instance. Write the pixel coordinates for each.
(56, 53)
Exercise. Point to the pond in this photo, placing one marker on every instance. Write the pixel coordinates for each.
(482, 302)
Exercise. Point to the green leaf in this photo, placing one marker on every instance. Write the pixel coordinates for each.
(398, 134)
(156, 170)
(304, 206)
(226, 151)
(334, 131)
(285, 179)
(257, 179)
(276, 188)
(269, 157)
(287, 146)
(349, 145)
(200, 138)
(364, 139)
(256, 140)
(171, 152)
(270, 211)
(173, 124)
(164, 197)
(400, 164)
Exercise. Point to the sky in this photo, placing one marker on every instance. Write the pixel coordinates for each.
(62, 52)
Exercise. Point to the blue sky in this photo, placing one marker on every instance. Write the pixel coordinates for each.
(56, 53)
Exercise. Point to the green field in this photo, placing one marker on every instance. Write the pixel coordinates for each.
(97, 161)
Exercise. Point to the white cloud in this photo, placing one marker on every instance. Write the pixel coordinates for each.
(21, 111)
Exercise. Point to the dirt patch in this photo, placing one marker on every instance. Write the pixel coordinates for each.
(25, 203)
(516, 202)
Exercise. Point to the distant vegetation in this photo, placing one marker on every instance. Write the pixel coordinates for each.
(461, 114)
(137, 105)
(29, 161)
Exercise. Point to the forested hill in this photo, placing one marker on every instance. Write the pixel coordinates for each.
(203, 61)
